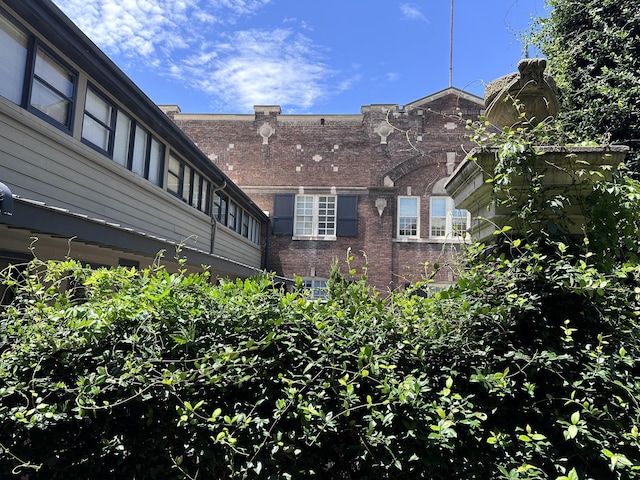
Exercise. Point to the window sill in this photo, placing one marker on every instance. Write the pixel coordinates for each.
(454, 240)
(324, 238)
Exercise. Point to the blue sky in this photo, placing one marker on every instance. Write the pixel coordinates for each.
(308, 56)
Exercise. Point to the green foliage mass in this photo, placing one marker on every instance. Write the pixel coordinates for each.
(527, 368)
(152, 375)
(593, 47)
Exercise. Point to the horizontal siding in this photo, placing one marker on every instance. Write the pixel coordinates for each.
(48, 168)
(230, 245)
(41, 163)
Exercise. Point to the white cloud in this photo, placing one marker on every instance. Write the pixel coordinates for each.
(412, 12)
(256, 67)
(144, 28)
(301, 23)
(240, 7)
(391, 76)
(135, 28)
(190, 42)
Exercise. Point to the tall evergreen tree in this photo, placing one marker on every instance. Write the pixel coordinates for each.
(593, 47)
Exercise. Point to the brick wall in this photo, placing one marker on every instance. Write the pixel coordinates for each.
(268, 153)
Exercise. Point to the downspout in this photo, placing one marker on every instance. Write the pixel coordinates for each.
(214, 221)
(267, 244)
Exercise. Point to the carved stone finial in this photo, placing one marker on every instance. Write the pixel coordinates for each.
(530, 86)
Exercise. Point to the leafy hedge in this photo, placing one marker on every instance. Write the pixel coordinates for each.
(152, 375)
(527, 368)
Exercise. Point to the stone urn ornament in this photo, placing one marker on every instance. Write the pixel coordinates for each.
(566, 173)
(529, 91)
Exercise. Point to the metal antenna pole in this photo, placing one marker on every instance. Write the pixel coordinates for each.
(451, 49)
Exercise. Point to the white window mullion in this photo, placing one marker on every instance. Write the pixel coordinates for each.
(445, 220)
(408, 217)
(315, 216)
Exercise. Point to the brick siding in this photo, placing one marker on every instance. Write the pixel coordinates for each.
(345, 154)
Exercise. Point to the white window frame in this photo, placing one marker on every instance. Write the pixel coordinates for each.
(316, 287)
(449, 216)
(315, 218)
(401, 232)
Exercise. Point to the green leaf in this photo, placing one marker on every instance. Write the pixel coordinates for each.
(575, 418)
(571, 432)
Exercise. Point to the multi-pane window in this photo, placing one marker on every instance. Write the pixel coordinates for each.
(197, 190)
(189, 185)
(304, 215)
(438, 217)
(187, 181)
(53, 89)
(204, 197)
(13, 61)
(315, 215)
(147, 155)
(408, 217)
(51, 85)
(236, 217)
(254, 230)
(327, 215)
(98, 121)
(245, 225)
(220, 207)
(136, 149)
(317, 288)
(174, 177)
(232, 215)
(122, 139)
(459, 222)
(200, 193)
(138, 157)
(239, 219)
(446, 220)
(155, 162)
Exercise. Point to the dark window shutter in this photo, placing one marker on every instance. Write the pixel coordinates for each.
(347, 224)
(283, 214)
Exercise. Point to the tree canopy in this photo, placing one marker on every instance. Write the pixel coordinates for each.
(593, 47)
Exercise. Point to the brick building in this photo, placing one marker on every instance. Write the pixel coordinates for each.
(369, 182)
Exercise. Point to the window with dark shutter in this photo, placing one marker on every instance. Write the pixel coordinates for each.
(347, 216)
(283, 214)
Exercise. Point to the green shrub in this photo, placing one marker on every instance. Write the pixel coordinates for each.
(527, 368)
(152, 375)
